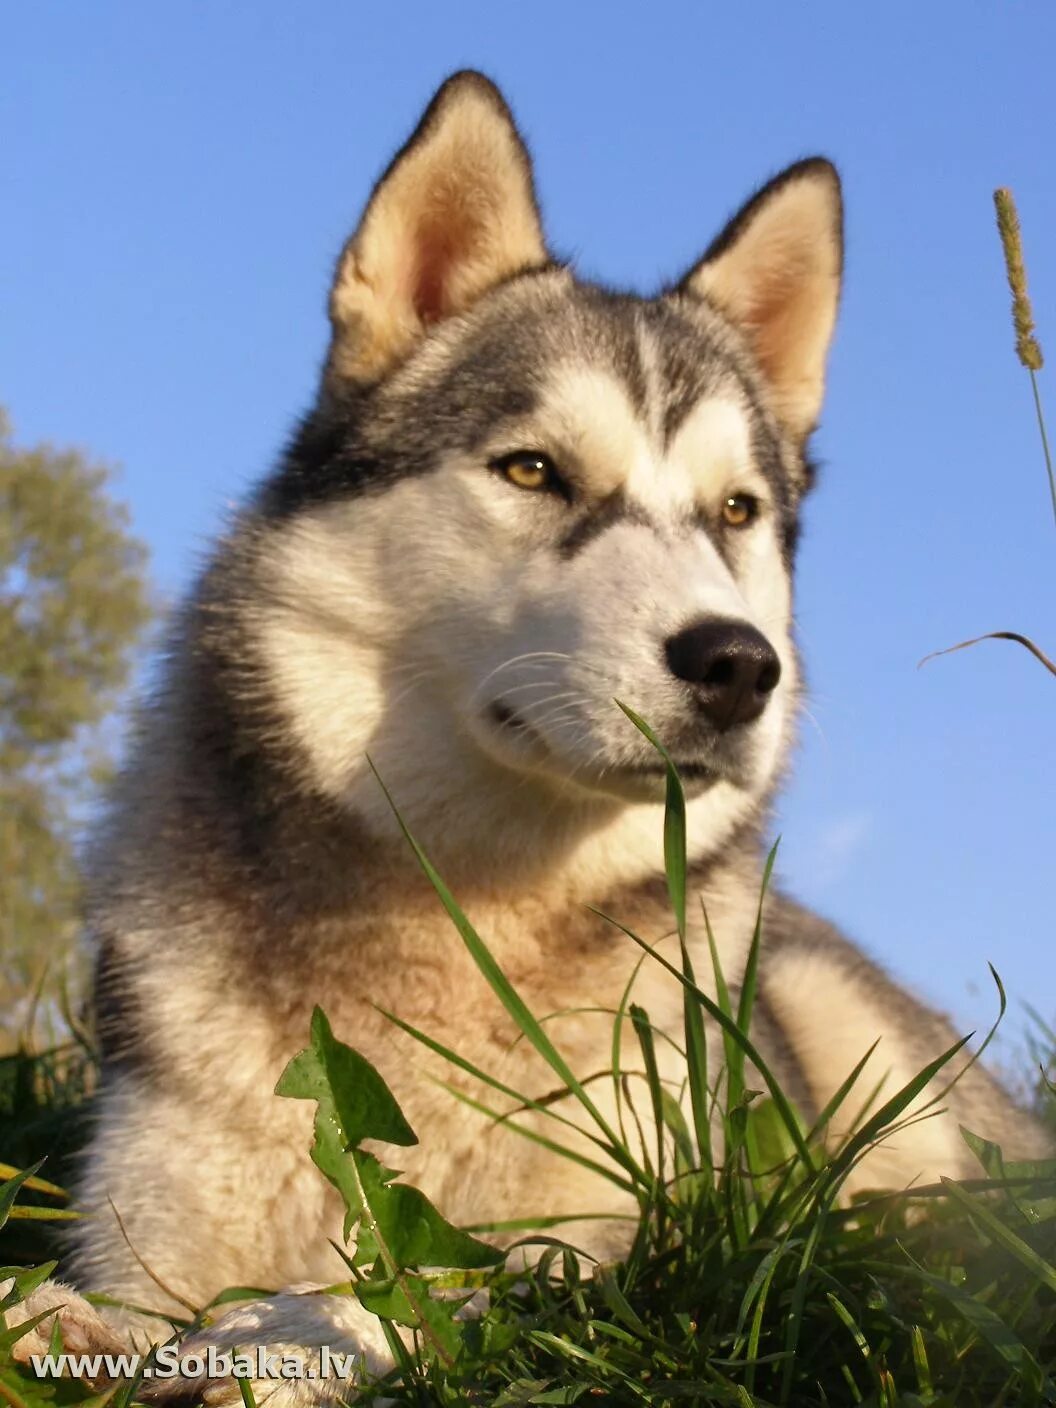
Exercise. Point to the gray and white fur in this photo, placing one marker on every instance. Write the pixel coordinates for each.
(518, 498)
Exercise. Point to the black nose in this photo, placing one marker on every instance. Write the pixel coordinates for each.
(732, 667)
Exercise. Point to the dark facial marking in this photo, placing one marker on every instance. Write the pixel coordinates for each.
(374, 436)
(615, 509)
(691, 369)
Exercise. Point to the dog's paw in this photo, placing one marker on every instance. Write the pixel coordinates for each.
(82, 1328)
(297, 1350)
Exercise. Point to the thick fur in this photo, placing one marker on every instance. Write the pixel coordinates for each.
(391, 593)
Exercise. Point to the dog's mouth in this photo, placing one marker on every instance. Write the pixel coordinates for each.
(502, 716)
(518, 736)
(519, 733)
(516, 732)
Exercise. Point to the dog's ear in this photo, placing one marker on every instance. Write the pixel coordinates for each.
(453, 215)
(775, 272)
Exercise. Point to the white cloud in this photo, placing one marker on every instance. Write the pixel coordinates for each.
(835, 848)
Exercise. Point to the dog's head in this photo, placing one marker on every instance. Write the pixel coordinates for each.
(521, 497)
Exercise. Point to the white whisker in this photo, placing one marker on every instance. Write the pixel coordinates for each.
(519, 660)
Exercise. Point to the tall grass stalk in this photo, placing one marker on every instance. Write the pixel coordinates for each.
(1028, 349)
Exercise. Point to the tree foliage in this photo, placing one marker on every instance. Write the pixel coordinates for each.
(73, 603)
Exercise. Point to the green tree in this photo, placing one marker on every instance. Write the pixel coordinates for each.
(73, 603)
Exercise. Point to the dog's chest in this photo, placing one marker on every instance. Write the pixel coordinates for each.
(569, 967)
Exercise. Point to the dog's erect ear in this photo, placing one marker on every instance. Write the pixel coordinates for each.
(775, 272)
(453, 215)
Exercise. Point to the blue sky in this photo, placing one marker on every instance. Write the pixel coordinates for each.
(179, 178)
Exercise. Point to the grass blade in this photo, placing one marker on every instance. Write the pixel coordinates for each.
(503, 989)
(674, 824)
(1001, 1233)
(728, 1024)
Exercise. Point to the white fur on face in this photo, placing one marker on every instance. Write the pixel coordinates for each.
(436, 626)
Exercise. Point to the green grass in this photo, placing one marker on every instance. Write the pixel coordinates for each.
(45, 1107)
(748, 1283)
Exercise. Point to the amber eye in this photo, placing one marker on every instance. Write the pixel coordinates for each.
(739, 510)
(528, 469)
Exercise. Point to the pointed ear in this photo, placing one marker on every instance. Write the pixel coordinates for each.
(775, 272)
(453, 215)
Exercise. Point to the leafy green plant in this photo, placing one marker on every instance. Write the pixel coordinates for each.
(399, 1233)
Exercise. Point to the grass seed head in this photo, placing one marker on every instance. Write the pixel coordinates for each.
(1027, 348)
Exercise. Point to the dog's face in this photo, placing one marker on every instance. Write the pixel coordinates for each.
(522, 498)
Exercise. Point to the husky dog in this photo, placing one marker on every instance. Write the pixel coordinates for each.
(518, 498)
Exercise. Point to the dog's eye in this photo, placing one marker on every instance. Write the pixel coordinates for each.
(528, 469)
(738, 510)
